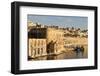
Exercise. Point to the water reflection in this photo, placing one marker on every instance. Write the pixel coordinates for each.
(70, 54)
(79, 54)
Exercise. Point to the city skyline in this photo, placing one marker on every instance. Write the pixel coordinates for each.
(61, 21)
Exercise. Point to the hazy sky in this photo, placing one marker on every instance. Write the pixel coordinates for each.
(61, 21)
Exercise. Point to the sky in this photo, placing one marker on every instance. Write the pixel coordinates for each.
(61, 21)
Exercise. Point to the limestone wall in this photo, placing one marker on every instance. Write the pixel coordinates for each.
(37, 47)
(56, 36)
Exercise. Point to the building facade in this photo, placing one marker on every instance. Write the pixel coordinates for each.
(37, 42)
(47, 40)
(55, 43)
(37, 47)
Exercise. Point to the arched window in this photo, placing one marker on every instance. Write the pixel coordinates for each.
(38, 51)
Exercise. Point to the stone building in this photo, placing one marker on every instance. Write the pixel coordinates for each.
(37, 42)
(55, 43)
(44, 40)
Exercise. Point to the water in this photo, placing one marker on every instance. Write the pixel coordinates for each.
(70, 54)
